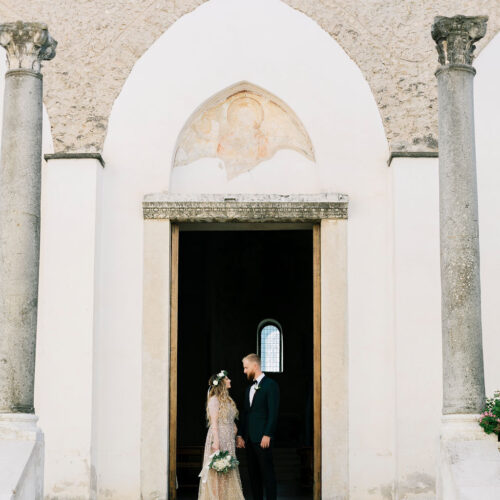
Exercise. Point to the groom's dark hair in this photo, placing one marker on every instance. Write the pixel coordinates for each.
(253, 358)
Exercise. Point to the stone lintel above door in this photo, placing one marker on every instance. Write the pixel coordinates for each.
(245, 207)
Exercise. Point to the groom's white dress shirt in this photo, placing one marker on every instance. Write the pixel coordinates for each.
(253, 388)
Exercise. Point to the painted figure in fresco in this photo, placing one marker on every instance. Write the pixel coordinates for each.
(241, 128)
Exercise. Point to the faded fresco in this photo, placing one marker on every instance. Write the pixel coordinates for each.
(242, 128)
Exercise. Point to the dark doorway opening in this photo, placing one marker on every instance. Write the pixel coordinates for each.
(229, 283)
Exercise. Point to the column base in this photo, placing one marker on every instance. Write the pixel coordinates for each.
(21, 457)
(469, 460)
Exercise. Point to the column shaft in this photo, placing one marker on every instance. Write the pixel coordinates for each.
(463, 373)
(19, 237)
(27, 44)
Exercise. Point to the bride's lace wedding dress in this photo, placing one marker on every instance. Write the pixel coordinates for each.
(214, 485)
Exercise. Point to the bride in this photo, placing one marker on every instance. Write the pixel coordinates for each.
(221, 435)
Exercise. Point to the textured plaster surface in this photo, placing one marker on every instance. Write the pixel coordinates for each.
(100, 41)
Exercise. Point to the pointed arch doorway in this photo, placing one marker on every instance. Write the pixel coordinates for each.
(164, 217)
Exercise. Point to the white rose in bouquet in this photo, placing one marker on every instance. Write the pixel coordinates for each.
(222, 462)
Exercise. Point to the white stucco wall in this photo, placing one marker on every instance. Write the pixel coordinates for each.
(487, 110)
(417, 317)
(64, 367)
(221, 43)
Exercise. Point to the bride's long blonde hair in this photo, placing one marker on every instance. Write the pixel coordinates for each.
(221, 392)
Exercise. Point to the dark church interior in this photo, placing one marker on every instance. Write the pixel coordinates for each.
(229, 283)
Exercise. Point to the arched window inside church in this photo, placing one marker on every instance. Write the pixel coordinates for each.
(270, 346)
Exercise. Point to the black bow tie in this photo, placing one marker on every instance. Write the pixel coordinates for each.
(255, 382)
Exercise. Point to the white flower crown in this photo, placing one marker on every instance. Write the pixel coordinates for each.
(219, 377)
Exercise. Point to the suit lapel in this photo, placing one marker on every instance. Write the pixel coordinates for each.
(261, 385)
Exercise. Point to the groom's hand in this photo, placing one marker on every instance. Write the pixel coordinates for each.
(266, 441)
(240, 442)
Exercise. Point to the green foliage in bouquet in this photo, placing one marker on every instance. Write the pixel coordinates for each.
(222, 461)
(489, 420)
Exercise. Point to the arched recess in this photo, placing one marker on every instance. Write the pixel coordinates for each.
(130, 33)
(281, 50)
(487, 110)
(299, 63)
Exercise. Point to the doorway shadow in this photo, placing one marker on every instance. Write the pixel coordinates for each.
(229, 282)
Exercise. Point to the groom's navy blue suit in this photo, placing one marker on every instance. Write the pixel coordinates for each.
(257, 420)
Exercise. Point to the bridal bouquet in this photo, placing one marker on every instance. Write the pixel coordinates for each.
(222, 461)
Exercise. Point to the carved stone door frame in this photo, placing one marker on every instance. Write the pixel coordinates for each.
(327, 215)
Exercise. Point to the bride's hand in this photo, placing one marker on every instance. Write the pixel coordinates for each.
(215, 445)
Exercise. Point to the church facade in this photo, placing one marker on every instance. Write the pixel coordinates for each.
(213, 168)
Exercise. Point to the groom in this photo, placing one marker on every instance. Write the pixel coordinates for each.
(257, 427)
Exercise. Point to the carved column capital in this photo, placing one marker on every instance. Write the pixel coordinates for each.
(27, 45)
(455, 38)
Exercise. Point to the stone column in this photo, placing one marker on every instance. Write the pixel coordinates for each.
(469, 463)
(463, 374)
(27, 44)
